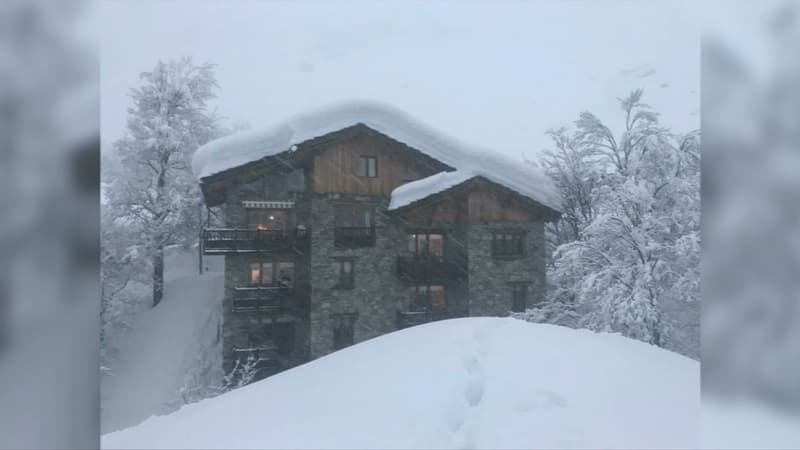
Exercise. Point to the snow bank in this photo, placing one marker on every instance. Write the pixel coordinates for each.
(462, 383)
(747, 425)
(417, 190)
(246, 146)
(168, 344)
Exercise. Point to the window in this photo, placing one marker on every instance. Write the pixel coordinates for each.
(428, 298)
(278, 274)
(519, 297)
(367, 166)
(426, 244)
(355, 227)
(508, 243)
(344, 269)
(266, 219)
(353, 217)
(343, 332)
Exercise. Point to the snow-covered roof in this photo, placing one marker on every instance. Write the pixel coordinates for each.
(417, 190)
(247, 146)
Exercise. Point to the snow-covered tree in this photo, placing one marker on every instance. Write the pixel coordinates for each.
(570, 166)
(628, 259)
(155, 193)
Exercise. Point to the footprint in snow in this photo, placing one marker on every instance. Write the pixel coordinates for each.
(540, 399)
(474, 392)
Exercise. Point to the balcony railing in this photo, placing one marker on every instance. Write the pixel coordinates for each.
(354, 236)
(263, 299)
(431, 268)
(243, 240)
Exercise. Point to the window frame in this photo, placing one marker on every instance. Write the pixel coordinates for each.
(425, 290)
(414, 243)
(517, 288)
(341, 281)
(503, 244)
(343, 323)
(353, 214)
(366, 160)
(354, 225)
(275, 273)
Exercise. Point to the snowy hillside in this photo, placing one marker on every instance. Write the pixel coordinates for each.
(462, 383)
(168, 346)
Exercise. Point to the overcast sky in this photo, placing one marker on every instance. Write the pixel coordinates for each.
(495, 74)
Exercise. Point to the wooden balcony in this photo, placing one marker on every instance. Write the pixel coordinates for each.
(217, 241)
(431, 268)
(264, 299)
(351, 237)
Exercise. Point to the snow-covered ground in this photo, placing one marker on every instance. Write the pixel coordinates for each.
(747, 425)
(461, 383)
(167, 344)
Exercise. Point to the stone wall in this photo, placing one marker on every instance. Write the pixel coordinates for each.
(239, 327)
(377, 293)
(489, 277)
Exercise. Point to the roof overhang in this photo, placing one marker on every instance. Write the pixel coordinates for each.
(297, 156)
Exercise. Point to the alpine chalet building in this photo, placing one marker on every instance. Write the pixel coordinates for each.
(357, 221)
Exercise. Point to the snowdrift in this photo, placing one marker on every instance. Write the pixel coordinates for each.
(247, 146)
(461, 383)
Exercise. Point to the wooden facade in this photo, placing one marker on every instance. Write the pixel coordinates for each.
(491, 203)
(474, 201)
(335, 170)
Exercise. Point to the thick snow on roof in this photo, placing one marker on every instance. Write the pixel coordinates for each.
(464, 383)
(417, 190)
(247, 146)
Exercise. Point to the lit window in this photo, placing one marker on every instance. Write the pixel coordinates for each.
(255, 273)
(270, 273)
(427, 244)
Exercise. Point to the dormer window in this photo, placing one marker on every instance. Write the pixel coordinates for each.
(367, 166)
